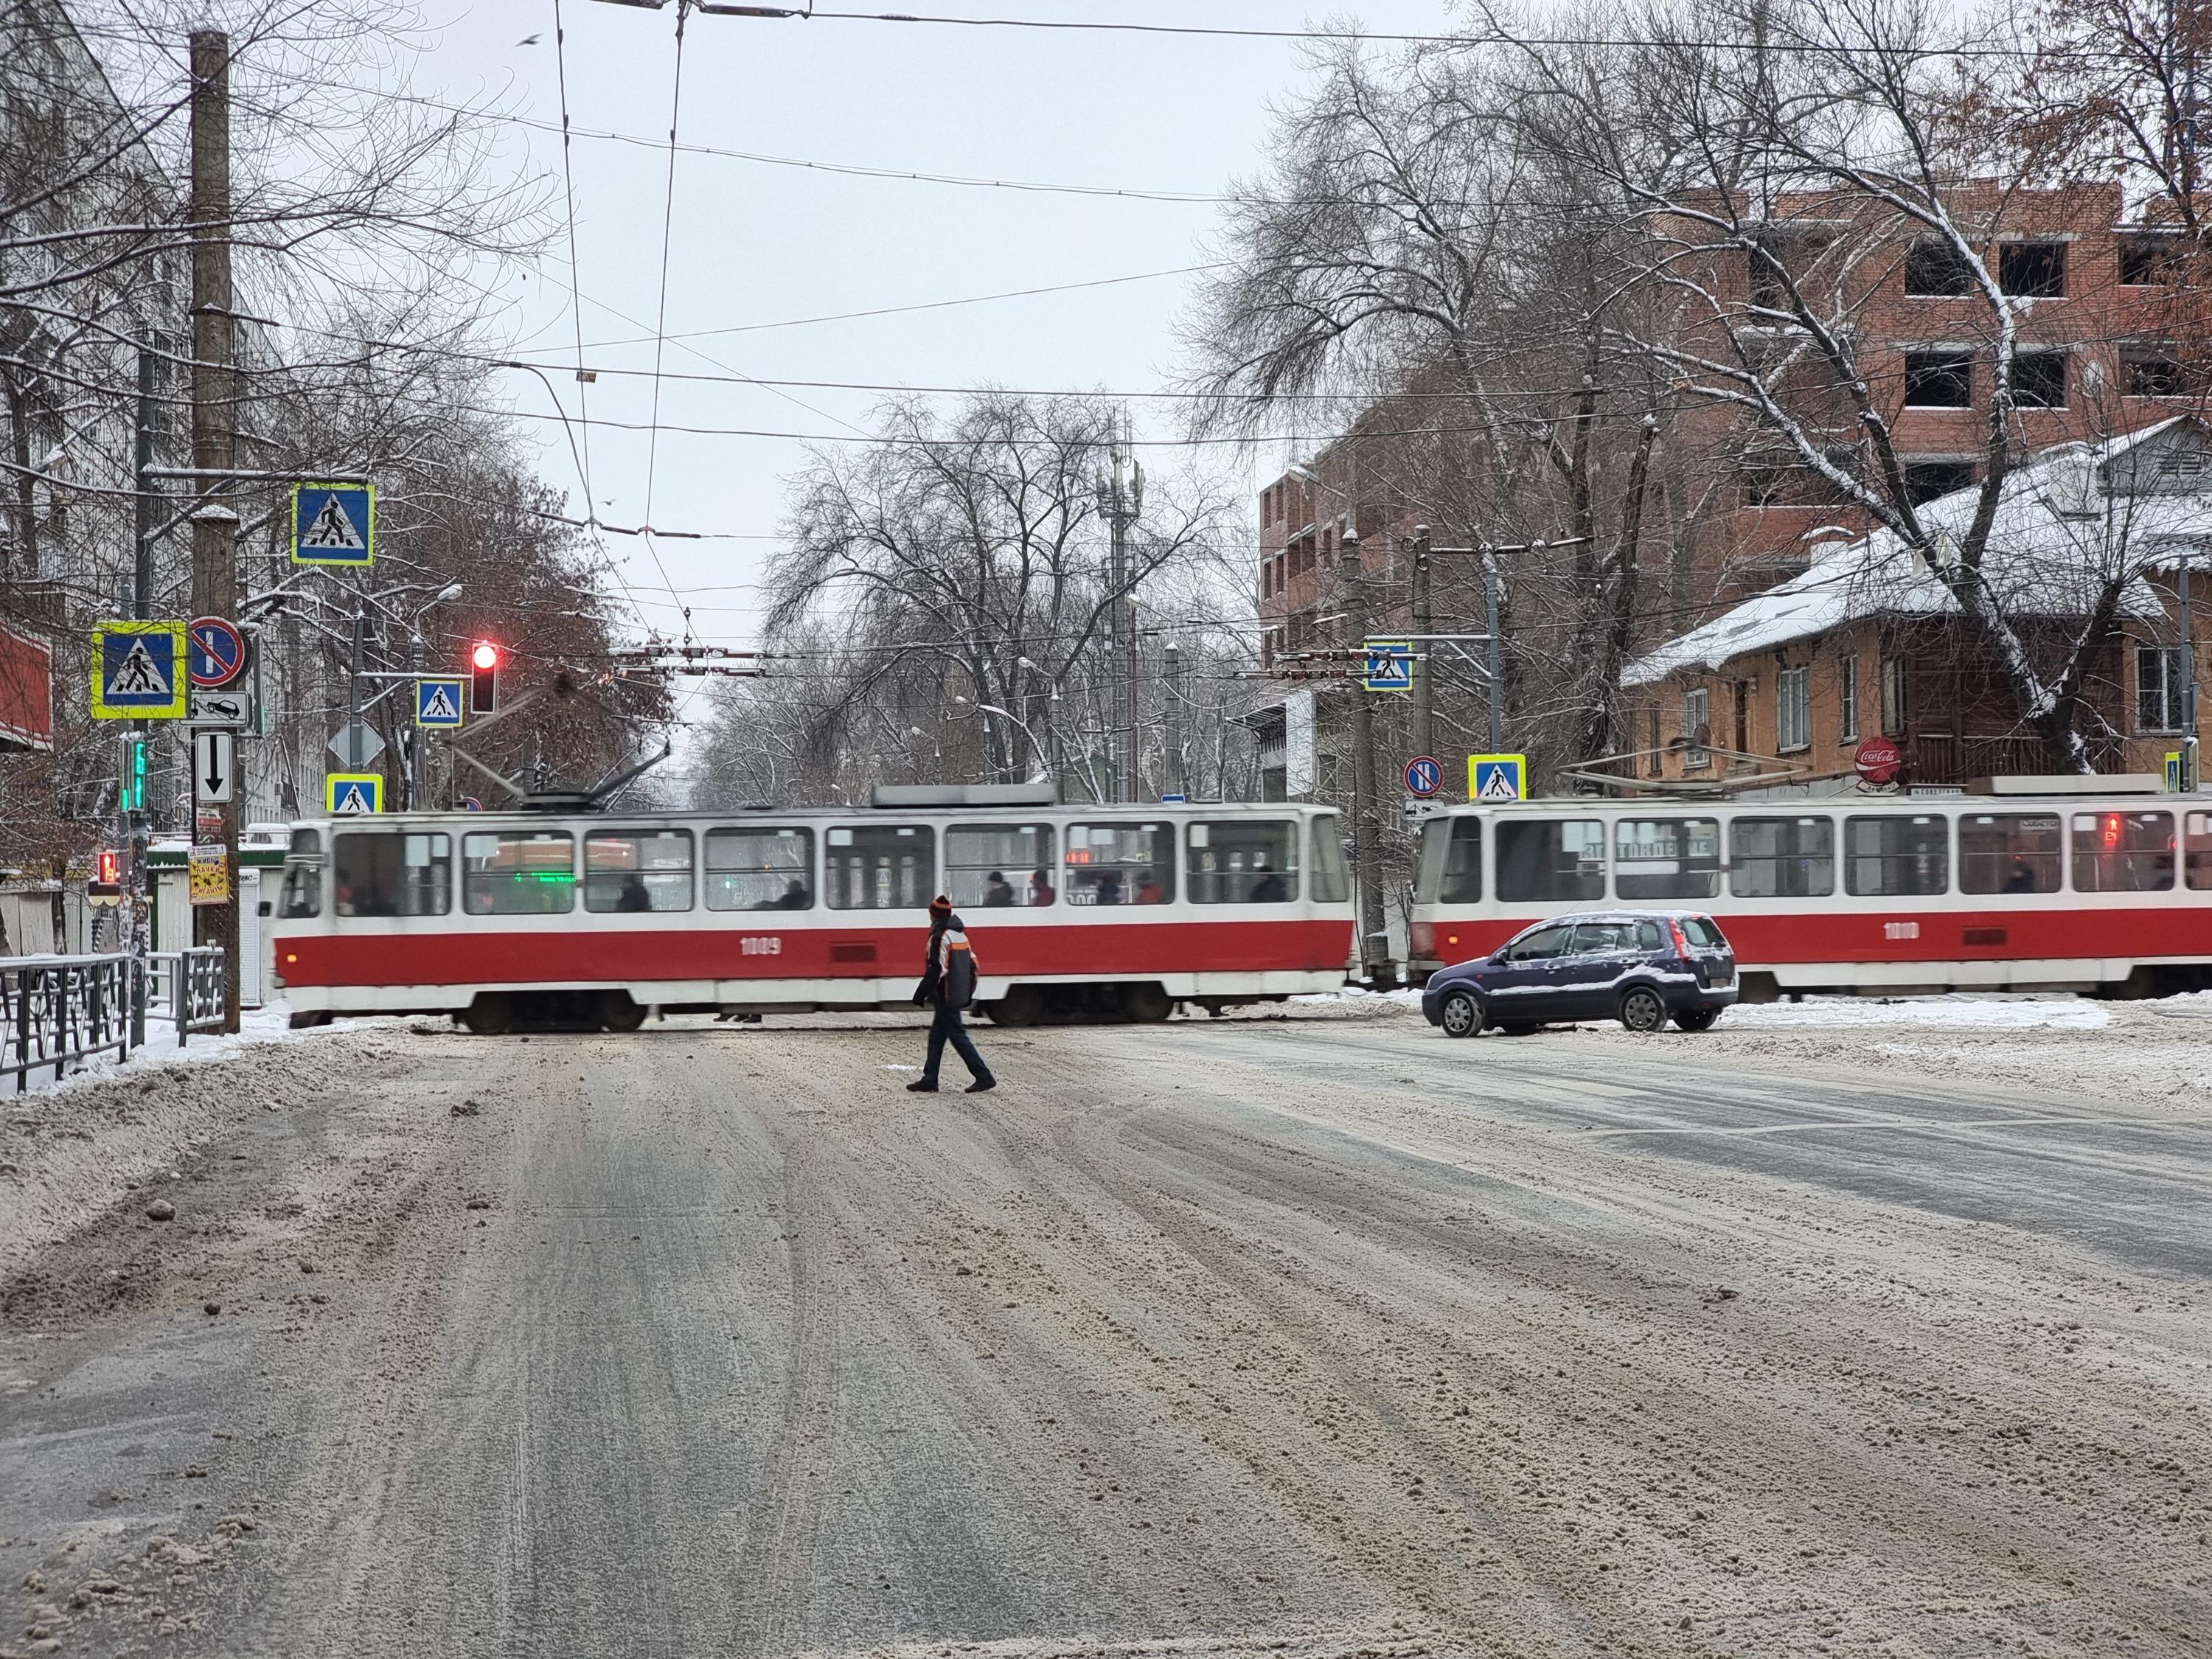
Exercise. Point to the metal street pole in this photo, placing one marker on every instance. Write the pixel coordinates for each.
(1425, 687)
(1363, 849)
(135, 822)
(1171, 766)
(1497, 653)
(2188, 755)
(214, 526)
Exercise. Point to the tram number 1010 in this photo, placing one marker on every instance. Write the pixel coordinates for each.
(759, 945)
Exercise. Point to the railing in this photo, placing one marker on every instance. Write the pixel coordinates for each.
(59, 1011)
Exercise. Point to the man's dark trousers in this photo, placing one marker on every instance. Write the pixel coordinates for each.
(946, 1028)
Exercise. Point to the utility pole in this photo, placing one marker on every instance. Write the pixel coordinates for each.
(1424, 689)
(214, 414)
(1497, 675)
(1120, 499)
(1364, 852)
(1172, 762)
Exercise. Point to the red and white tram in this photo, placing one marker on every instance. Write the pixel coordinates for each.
(2108, 893)
(589, 918)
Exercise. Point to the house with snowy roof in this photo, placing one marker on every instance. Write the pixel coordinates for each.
(2085, 559)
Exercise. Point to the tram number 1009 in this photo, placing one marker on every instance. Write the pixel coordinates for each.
(759, 945)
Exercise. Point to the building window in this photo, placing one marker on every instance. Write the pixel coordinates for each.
(1697, 728)
(1847, 700)
(1936, 268)
(2039, 379)
(2034, 270)
(1793, 710)
(1939, 379)
(1655, 762)
(2147, 261)
(1925, 480)
(1740, 702)
(2153, 371)
(2158, 689)
(1893, 711)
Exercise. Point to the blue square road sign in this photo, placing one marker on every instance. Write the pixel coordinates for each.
(138, 671)
(334, 524)
(439, 703)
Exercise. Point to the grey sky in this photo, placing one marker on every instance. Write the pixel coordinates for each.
(759, 244)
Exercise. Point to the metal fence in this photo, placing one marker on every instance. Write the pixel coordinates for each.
(60, 1011)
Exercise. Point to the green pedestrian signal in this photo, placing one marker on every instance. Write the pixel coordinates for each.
(130, 775)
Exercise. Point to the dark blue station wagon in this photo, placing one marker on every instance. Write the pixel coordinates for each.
(1639, 967)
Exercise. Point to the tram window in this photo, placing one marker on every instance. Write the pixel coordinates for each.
(2122, 851)
(303, 876)
(529, 873)
(636, 871)
(992, 866)
(2009, 853)
(1121, 864)
(1451, 862)
(1666, 858)
(2196, 856)
(1244, 862)
(1549, 859)
(392, 873)
(881, 867)
(1782, 858)
(1332, 874)
(1896, 855)
(760, 869)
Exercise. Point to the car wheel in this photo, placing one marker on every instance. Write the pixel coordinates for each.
(1696, 1019)
(1460, 1015)
(1641, 1009)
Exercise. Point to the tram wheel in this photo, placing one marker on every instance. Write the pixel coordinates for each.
(620, 1012)
(492, 1014)
(1146, 1005)
(1023, 1004)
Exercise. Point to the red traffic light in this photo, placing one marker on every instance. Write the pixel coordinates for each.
(109, 870)
(483, 677)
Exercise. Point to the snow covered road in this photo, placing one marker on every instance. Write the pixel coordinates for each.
(1833, 1330)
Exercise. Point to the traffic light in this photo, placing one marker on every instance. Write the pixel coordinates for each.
(130, 774)
(107, 870)
(483, 677)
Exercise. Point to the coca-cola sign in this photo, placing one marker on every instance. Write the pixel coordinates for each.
(1879, 760)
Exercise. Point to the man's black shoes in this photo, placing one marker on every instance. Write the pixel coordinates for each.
(984, 1087)
(918, 1087)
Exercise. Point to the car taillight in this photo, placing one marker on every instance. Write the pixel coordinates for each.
(1682, 943)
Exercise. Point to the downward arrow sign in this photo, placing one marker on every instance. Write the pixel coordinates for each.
(215, 761)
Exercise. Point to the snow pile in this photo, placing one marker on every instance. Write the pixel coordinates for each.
(269, 1024)
(1955, 1012)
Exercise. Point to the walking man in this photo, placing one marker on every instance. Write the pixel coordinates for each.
(948, 985)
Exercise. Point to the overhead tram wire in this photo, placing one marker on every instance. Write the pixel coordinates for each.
(661, 317)
(1199, 31)
(575, 281)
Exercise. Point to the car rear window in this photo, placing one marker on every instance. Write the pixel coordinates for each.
(1701, 932)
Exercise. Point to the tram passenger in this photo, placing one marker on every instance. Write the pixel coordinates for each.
(1150, 891)
(1109, 888)
(794, 898)
(999, 891)
(1042, 891)
(948, 985)
(1269, 888)
(633, 898)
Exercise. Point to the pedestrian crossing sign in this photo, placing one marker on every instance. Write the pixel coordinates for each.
(1497, 778)
(138, 671)
(439, 703)
(334, 524)
(1389, 665)
(353, 795)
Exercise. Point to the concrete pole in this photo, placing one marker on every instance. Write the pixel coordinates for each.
(214, 526)
(2189, 746)
(135, 825)
(1365, 851)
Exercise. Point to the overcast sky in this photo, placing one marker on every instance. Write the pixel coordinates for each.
(756, 244)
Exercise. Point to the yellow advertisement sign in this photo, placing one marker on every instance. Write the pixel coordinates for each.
(211, 875)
